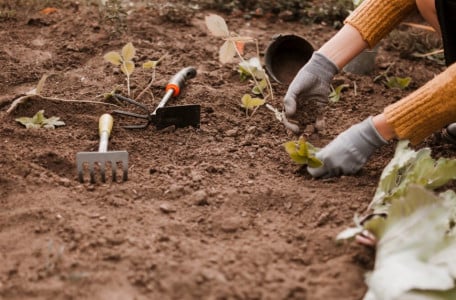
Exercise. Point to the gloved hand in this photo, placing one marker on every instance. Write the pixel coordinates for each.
(312, 82)
(349, 151)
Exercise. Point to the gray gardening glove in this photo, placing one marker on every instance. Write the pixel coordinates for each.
(349, 151)
(312, 83)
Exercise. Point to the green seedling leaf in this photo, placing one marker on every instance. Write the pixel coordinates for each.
(398, 82)
(260, 87)
(335, 94)
(251, 67)
(411, 167)
(303, 153)
(150, 64)
(127, 68)
(113, 57)
(414, 250)
(250, 103)
(39, 121)
(128, 52)
(227, 52)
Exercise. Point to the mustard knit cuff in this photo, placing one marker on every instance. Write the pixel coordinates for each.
(374, 19)
(426, 110)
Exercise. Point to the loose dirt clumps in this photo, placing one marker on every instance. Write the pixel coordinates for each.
(218, 212)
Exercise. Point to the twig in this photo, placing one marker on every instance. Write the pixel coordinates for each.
(25, 97)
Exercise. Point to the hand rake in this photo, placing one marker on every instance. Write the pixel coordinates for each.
(103, 158)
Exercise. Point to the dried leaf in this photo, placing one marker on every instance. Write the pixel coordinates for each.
(217, 25)
(113, 57)
(128, 52)
(40, 85)
(127, 68)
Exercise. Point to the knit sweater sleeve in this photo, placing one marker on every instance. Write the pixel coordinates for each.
(426, 110)
(374, 19)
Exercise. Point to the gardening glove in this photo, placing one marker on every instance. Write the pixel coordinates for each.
(349, 151)
(311, 83)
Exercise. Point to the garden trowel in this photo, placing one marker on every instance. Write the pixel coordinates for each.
(162, 117)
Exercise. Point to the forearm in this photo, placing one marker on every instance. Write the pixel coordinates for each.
(426, 110)
(344, 46)
(374, 19)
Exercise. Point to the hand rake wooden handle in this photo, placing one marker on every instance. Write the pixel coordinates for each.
(104, 130)
(99, 161)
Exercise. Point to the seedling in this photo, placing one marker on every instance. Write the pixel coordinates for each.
(303, 153)
(124, 59)
(39, 121)
(335, 94)
(150, 65)
(250, 103)
(393, 81)
(251, 68)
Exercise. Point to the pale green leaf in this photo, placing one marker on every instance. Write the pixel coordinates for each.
(38, 121)
(301, 154)
(411, 167)
(250, 103)
(413, 239)
(217, 25)
(252, 67)
(260, 87)
(127, 67)
(113, 57)
(128, 52)
(150, 64)
(227, 52)
(335, 94)
(398, 82)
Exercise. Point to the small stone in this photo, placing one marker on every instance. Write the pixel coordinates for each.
(199, 198)
(166, 208)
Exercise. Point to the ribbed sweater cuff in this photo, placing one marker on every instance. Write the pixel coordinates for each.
(426, 110)
(374, 19)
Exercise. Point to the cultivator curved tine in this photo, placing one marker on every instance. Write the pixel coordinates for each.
(146, 116)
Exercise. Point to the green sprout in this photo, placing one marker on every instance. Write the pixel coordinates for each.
(250, 103)
(335, 94)
(124, 59)
(39, 121)
(393, 81)
(303, 153)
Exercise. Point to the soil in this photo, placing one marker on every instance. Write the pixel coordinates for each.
(216, 212)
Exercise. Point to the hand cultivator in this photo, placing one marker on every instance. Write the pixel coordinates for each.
(103, 158)
(161, 117)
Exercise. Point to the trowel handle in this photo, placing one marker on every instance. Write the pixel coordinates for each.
(177, 82)
(104, 130)
(175, 85)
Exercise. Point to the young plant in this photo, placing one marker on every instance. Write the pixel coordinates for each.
(303, 153)
(124, 59)
(335, 94)
(39, 121)
(393, 81)
(150, 65)
(417, 237)
(233, 45)
(250, 103)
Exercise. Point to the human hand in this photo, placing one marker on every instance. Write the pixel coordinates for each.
(349, 151)
(312, 83)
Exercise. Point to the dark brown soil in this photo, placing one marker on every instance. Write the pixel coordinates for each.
(218, 212)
